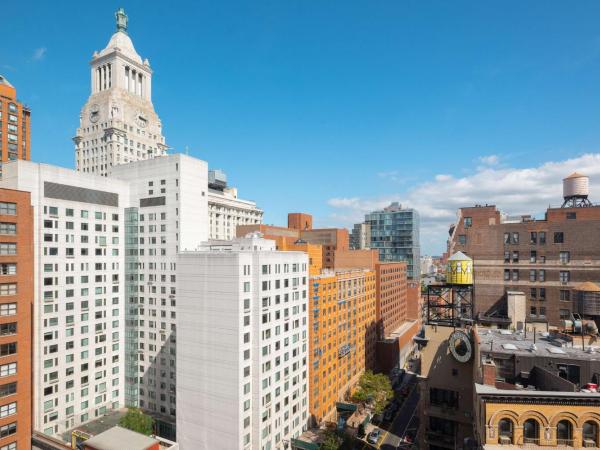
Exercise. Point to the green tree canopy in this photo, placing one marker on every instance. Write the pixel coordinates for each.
(374, 388)
(332, 442)
(136, 420)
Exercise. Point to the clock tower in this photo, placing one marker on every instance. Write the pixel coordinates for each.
(118, 123)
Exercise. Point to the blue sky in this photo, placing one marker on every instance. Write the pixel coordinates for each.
(337, 107)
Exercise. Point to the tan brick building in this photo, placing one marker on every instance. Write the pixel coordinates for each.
(342, 337)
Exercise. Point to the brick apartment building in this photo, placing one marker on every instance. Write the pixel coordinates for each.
(300, 227)
(14, 125)
(342, 337)
(16, 295)
(545, 259)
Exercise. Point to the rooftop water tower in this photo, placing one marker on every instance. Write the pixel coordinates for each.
(451, 304)
(576, 189)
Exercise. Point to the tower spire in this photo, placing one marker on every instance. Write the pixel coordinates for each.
(121, 19)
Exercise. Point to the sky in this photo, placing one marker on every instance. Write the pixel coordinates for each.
(337, 108)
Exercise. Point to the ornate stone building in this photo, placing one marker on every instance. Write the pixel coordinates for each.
(118, 123)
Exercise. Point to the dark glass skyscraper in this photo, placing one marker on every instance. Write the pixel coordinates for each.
(395, 233)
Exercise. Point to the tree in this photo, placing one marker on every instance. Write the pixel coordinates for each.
(331, 442)
(374, 388)
(136, 420)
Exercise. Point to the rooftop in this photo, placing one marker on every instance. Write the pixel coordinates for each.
(547, 344)
(118, 438)
(492, 390)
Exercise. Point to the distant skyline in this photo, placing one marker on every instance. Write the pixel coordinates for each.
(338, 108)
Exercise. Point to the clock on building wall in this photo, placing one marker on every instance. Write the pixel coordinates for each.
(460, 346)
(94, 113)
(141, 120)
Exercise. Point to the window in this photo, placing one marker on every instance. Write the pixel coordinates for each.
(564, 432)
(542, 293)
(542, 311)
(542, 237)
(462, 239)
(8, 369)
(8, 389)
(8, 288)
(532, 275)
(8, 269)
(565, 314)
(8, 209)
(590, 432)
(515, 275)
(468, 222)
(532, 256)
(571, 215)
(6, 329)
(515, 257)
(542, 275)
(8, 309)
(8, 248)
(505, 429)
(506, 274)
(533, 311)
(506, 257)
(565, 296)
(515, 237)
(559, 237)
(533, 293)
(7, 430)
(443, 397)
(564, 276)
(506, 238)
(11, 446)
(8, 349)
(8, 228)
(564, 257)
(533, 237)
(8, 410)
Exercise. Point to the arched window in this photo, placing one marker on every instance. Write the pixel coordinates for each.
(531, 431)
(590, 433)
(505, 431)
(564, 432)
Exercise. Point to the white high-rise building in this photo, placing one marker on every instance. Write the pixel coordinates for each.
(168, 213)
(118, 123)
(242, 346)
(225, 210)
(78, 304)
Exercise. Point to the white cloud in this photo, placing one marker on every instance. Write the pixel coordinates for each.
(39, 54)
(490, 160)
(513, 190)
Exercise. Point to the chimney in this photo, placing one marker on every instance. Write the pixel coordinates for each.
(488, 371)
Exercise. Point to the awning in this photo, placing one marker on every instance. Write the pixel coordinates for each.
(346, 407)
(301, 445)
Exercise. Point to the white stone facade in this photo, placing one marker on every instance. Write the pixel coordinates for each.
(242, 373)
(226, 212)
(168, 213)
(78, 315)
(118, 123)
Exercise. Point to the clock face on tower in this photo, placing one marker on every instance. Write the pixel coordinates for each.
(140, 119)
(94, 113)
(460, 346)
